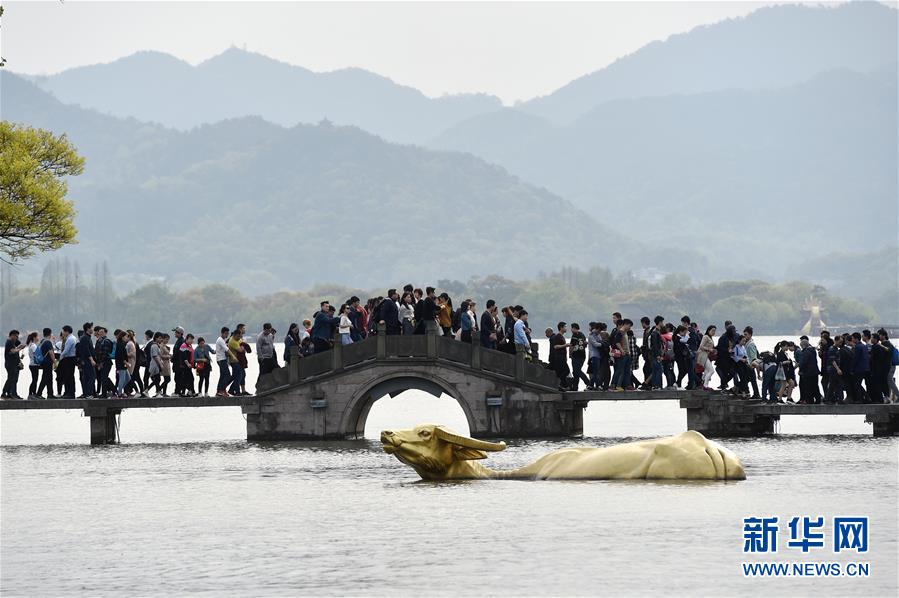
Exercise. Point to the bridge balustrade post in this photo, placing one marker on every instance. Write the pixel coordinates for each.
(520, 362)
(381, 340)
(337, 353)
(431, 333)
(475, 354)
(293, 368)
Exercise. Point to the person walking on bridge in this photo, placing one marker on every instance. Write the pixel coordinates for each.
(67, 362)
(323, 327)
(265, 350)
(558, 356)
(223, 357)
(488, 326)
(893, 392)
(235, 352)
(121, 362)
(345, 326)
(12, 362)
(88, 363)
(706, 355)
(621, 355)
(103, 351)
(389, 313)
(807, 364)
(577, 352)
(154, 367)
(176, 358)
(47, 363)
(428, 312)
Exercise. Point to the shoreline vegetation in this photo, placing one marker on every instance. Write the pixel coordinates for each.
(65, 296)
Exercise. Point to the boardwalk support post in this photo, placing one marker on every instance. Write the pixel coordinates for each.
(103, 425)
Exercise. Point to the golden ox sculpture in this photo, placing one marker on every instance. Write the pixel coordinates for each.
(437, 453)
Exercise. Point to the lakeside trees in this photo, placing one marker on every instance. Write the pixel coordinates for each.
(68, 297)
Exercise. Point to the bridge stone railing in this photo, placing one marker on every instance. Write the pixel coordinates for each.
(426, 347)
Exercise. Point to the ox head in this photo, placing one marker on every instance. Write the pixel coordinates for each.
(433, 450)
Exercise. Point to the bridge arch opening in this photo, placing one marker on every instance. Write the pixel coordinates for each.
(404, 401)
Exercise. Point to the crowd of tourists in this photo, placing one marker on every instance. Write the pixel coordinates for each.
(857, 368)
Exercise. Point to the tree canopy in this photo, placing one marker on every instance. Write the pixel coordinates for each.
(34, 212)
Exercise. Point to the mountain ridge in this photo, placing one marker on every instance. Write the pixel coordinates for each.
(258, 205)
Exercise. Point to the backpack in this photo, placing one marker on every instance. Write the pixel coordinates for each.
(668, 349)
(140, 355)
(37, 357)
(895, 357)
(457, 319)
(112, 353)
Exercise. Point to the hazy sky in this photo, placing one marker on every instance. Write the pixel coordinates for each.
(510, 49)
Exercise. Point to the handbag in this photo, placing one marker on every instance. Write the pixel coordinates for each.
(779, 375)
(616, 353)
(698, 369)
(713, 355)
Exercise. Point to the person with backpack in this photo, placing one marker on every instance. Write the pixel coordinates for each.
(104, 352)
(652, 351)
(666, 335)
(203, 365)
(45, 358)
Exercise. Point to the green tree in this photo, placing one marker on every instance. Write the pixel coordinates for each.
(34, 212)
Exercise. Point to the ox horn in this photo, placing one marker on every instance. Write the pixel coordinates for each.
(466, 442)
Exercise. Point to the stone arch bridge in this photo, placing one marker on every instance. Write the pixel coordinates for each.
(329, 395)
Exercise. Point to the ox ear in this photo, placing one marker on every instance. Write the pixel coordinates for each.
(467, 454)
(468, 443)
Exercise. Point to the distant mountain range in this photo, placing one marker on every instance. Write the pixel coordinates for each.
(157, 87)
(742, 171)
(772, 47)
(742, 147)
(263, 207)
(769, 48)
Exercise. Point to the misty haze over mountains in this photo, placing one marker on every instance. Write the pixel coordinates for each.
(744, 147)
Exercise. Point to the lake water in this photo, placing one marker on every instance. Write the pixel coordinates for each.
(186, 506)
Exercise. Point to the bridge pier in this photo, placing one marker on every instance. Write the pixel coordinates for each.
(727, 416)
(723, 417)
(103, 425)
(885, 423)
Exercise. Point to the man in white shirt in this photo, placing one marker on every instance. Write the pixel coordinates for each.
(221, 359)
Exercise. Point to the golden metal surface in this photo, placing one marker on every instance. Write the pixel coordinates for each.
(436, 453)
